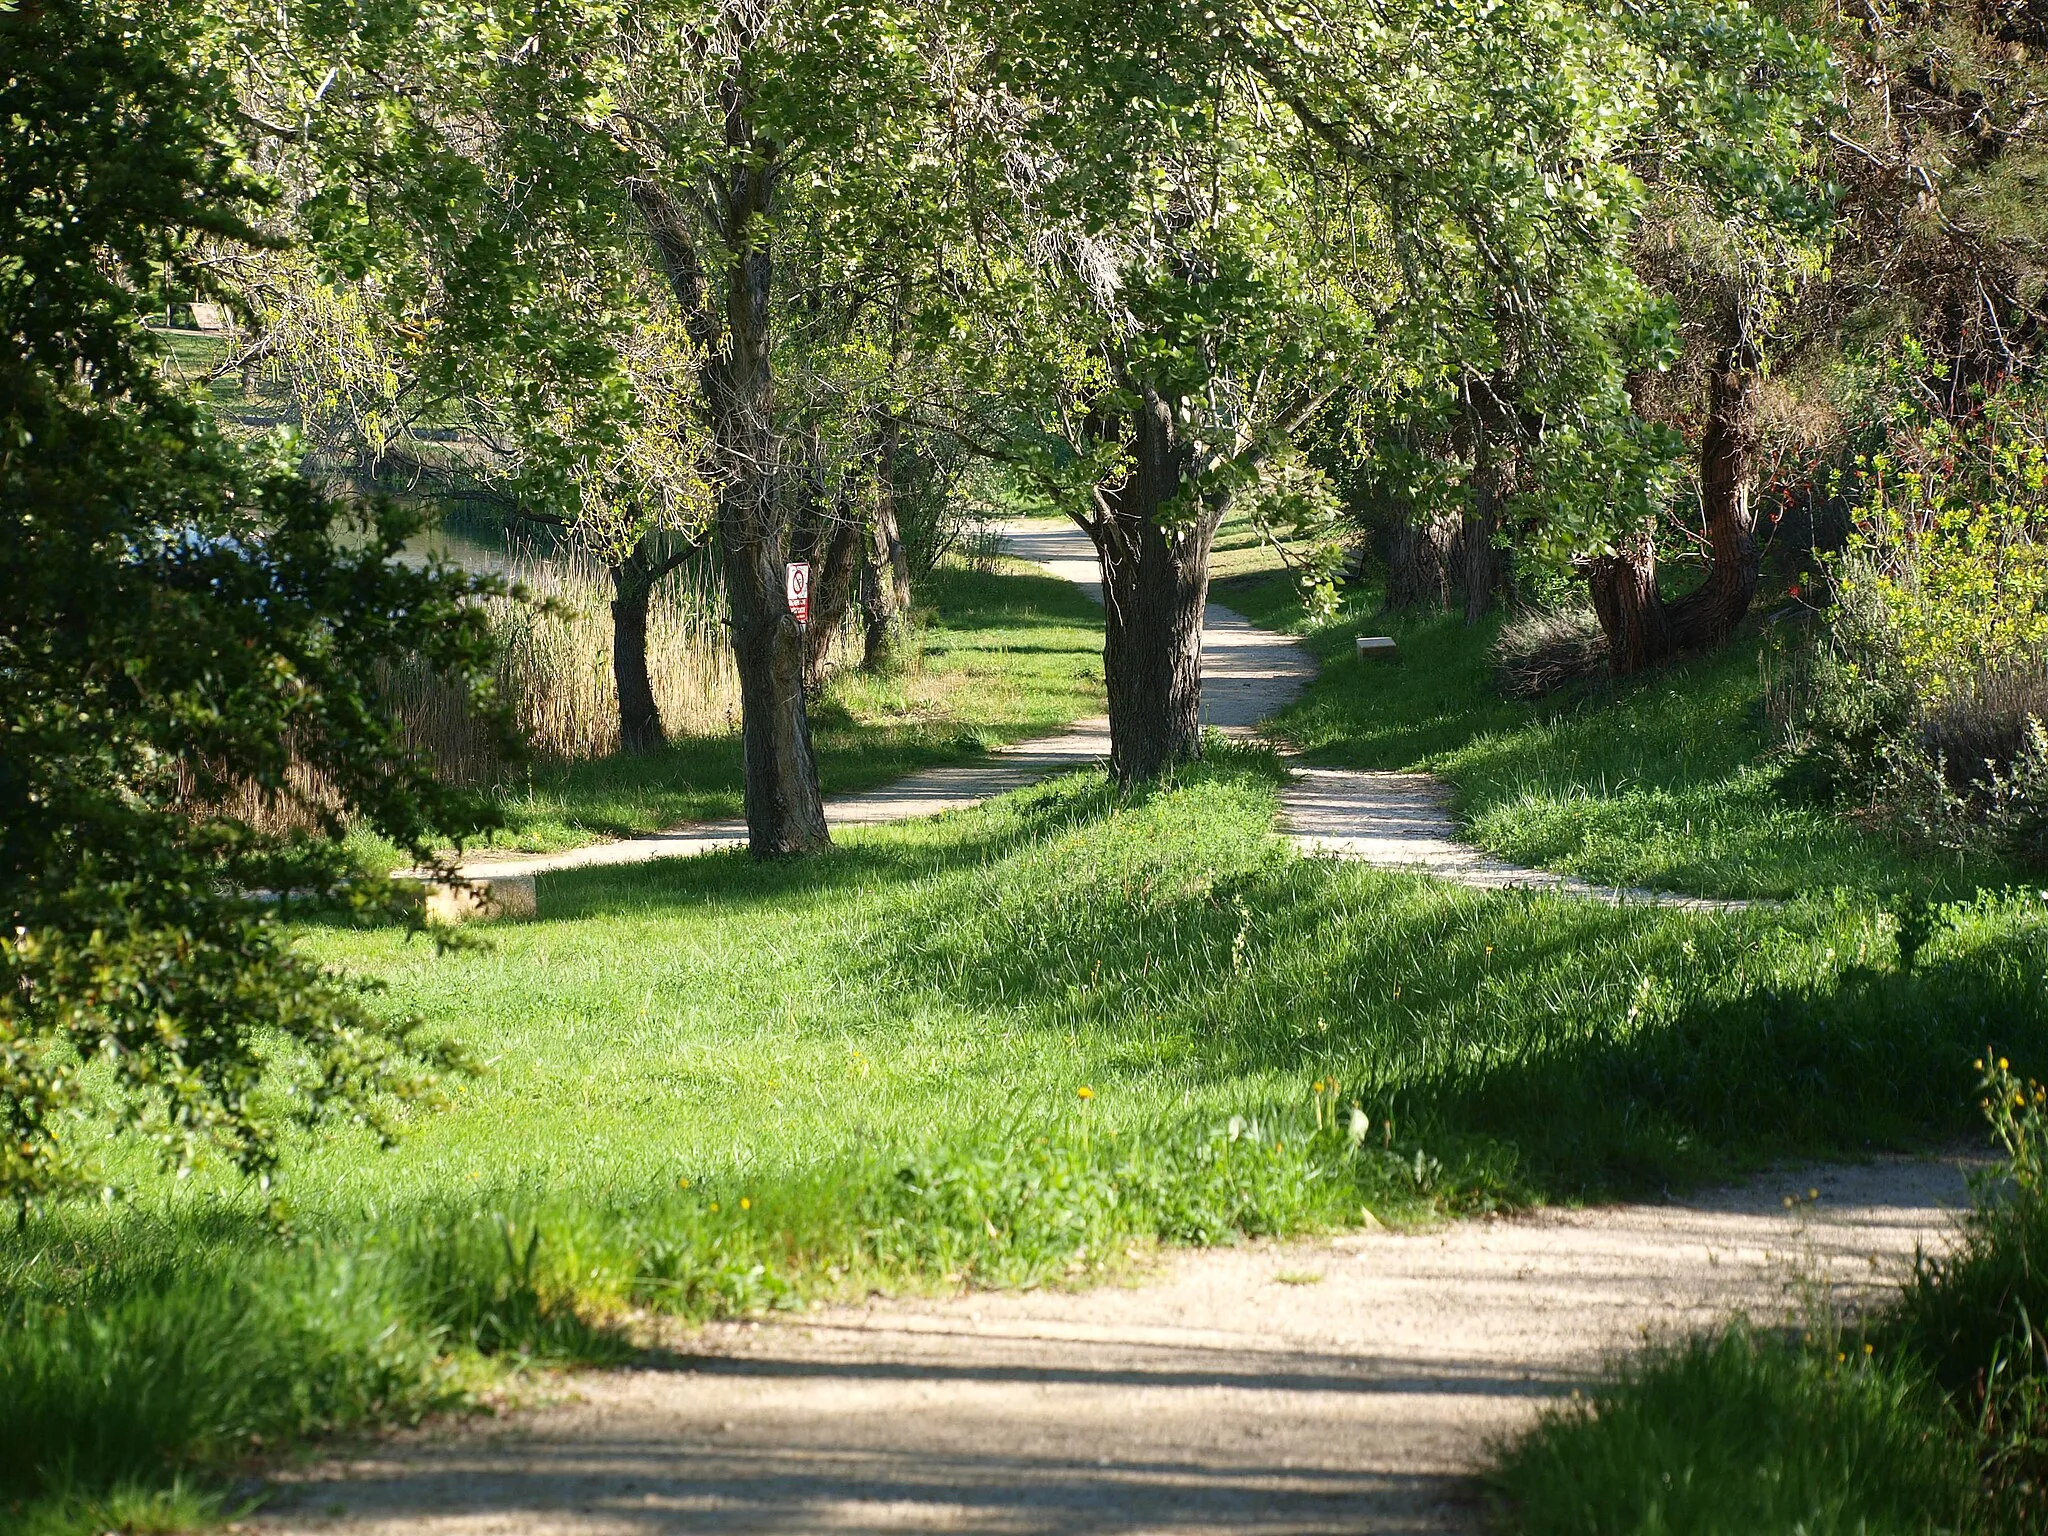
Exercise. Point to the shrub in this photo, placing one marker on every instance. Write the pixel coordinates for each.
(183, 623)
(1925, 697)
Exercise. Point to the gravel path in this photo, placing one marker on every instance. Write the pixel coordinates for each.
(1248, 673)
(1344, 1385)
(1347, 1385)
(1394, 820)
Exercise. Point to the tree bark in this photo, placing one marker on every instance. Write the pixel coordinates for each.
(1421, 557)
(1706, 617)
(832, 584)
(1155, 584)
(633, 578)
(729, 321)
(785, 813)
(1493, 463)
(884, 563)
(1642, 629)
(1623, 586)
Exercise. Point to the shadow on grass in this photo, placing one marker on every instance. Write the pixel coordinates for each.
(1552, 1048)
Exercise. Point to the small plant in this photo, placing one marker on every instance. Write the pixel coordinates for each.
(1913, 922)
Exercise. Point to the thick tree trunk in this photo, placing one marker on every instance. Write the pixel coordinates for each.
(1706, 616)
(1493, 465)
(1624, 591)
(884, 563)
(639, 716)
(728, 317)
(1415, 567)
(785, 813)
(1642, 629)
(1155, 584)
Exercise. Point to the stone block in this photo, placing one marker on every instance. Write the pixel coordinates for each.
(486, 897)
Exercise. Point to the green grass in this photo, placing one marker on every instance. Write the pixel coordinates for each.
(1747, 1435)
(714, 1085)
(1026, 1043)
(1001, 656)
(1930, 1416)
(1664, 781)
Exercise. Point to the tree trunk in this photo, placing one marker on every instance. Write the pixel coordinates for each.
(1706, 616)
(888, 532)
(1155, 584)
(832, 587)
(1493, 460)
(1642, 629)
(727, 316)
(785, 813)
(884, 563)
(1415, 567)
(1624, 591)
(639, 716)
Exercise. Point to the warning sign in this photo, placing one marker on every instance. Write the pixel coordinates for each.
(798, 590)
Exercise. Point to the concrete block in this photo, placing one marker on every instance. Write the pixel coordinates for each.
(486, 897)
(1375, 645)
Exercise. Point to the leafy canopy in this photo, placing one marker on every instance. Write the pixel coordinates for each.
(189, 650)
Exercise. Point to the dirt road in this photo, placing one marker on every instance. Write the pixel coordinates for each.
(1349, 1385)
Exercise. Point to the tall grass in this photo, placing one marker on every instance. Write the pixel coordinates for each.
(556, 666)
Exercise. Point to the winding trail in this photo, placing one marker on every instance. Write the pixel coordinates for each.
(1391, 820)
(1350, 1384)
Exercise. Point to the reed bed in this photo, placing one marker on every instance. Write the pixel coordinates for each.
(555, 666)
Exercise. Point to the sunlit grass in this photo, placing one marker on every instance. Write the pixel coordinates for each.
(1665, 781)
(712, 1085)
(998, 657)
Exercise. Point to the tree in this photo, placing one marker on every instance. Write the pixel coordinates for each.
(456, 265)
(734, 132)
(1174, 295)
(189, 645)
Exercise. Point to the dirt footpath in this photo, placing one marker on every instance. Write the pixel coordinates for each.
(1336, 1386)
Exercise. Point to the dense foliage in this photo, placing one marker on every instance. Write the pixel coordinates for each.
(188, 663)
(1923, 699)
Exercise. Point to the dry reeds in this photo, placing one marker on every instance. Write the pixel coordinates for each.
(555, 668)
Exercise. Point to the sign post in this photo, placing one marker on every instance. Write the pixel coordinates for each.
(797, 588)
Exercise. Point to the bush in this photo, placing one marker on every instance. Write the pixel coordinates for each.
(1925, 698)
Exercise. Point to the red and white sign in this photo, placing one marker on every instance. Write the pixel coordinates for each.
(797, 588)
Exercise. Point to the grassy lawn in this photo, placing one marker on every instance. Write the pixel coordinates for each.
(1001, 656)
(711, 1085)
(1665, 781)
(1022, 1044)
